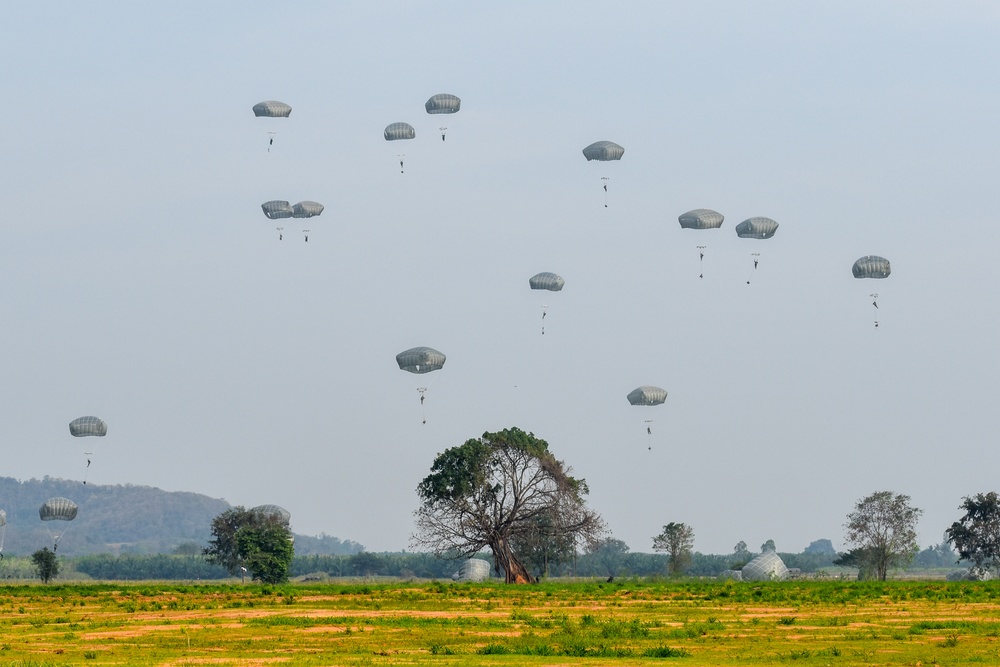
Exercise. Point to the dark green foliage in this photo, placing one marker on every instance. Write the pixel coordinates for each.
(248, 539)
(266, 551)
(136, 567)
(46, 564)
(976, 535)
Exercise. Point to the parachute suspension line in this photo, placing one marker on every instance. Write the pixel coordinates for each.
(401, 156)
(874, 297)
(756, 256)
(270, 141)
(423, 412)
(701, 261)
(443, 130)
(649, 434)
(605, 179)
(545, 310)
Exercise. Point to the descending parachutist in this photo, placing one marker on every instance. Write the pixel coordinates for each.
(605, 179)
(306, 232)
(421, 390)
(401, 156)
(442, 132)
(701, 260)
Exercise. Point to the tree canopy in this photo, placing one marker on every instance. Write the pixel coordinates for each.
(251, 539)
(976, 535)
(882, 527)
(495, 492)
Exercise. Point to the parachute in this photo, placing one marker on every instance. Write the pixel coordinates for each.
(82, 427)
(306, 209)
(86, 426)
(57, 509)
(421, 360)
(272, 109)
(603, 151)
(275, 512)
(277, 209)
(701, 218)
(647, 395)
(546, 281)
(872, 266)
(443, 103)
(756, 228)
(399, 132)
(767, 566)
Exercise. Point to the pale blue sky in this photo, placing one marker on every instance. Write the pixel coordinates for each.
(142, 283)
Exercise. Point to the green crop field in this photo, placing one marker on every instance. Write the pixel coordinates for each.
(572, 623)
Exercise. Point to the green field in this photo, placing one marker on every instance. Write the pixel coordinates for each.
(574, 623)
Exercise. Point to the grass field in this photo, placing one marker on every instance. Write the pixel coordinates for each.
(404, 623)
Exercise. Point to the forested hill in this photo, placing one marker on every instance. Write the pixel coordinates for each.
(114, 519)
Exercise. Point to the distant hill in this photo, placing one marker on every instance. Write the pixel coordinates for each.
(117, 519)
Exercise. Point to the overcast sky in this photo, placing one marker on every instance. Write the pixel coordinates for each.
(142, 283)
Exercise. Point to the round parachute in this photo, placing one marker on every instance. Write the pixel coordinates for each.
(442, 103)
(420, 360)
(603, 151)
(398, 131)
(276, 512)
(58, 509)
(756, 228)
(272, 109)
(84, 426)
(277, 209)
(701, 218)
(547, 281)
(871, 266)
(306, 209)
(647, 395)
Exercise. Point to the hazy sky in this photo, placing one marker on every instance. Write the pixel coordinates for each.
(142, 283)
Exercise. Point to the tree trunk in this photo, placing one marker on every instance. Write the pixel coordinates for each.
(514, 570)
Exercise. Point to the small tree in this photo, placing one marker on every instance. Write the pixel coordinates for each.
(46, 564)
(260, 542)
(883, 528)
(677, 539)
(976, 535)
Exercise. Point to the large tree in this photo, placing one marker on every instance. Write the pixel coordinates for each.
(976, 535)
(493, 492)
(251, 539)
(882, 527)
(677, 539)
